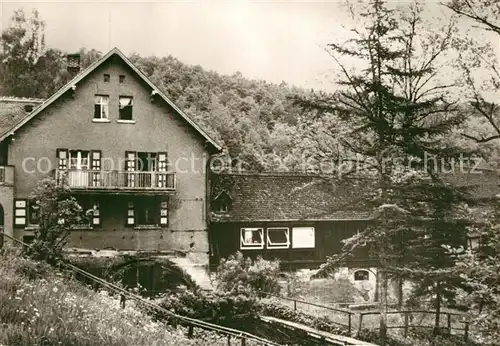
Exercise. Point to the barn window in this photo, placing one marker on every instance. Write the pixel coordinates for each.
(303, 237)
(251, 238)
(361, 275)
(278, 238)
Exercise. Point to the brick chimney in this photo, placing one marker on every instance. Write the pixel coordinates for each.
(73, 61)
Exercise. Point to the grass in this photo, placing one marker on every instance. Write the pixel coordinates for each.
(40, 306)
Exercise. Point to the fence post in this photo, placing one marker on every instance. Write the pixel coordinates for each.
(190, 331)
(449, 323)
(294, 305)
(360, 327)
(229, 340)
(466, 331)
(406, 324)
(349, 322)
(243, 341)
(122, 301)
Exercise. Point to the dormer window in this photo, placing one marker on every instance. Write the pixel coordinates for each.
(101, 107)
(106, 78)
(221, 202)
(126, 103)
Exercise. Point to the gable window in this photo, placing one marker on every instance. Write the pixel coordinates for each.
(251, 238)
(122, 78)
(126, 103)
(278, 238)
(106, 78)
(101, 107)
(361, 275)
(303, 237)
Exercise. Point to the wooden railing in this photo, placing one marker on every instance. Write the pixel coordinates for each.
(452, 323)
(118, 180)
(340, 317)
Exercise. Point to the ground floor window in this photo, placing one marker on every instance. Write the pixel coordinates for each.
(90, 216)
(147, 211)
(278, 238)
(303, 237)
(361, 275)
(252, 238)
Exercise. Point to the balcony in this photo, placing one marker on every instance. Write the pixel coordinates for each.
(124, 181)
(7, 175)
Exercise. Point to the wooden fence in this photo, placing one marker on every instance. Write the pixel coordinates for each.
(340, 317)
(450, 322)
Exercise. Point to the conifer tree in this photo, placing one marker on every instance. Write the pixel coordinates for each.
(399, 113)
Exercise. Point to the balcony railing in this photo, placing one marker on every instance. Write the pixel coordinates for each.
(117, 180)
(6, 175)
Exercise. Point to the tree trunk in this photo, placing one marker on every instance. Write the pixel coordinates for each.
(400, 292)
(383, 305)
(438, 309)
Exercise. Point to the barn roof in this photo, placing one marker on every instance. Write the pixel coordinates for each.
(296, 197)
(14, 110)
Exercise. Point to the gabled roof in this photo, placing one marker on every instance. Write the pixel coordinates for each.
(12, 111)
(309, 197)
(80, 76)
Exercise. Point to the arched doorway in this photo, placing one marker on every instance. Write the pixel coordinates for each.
(1, 226)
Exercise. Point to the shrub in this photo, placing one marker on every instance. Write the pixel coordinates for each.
(57, 213)
(285, 313)
(215, 307)
(240, 274)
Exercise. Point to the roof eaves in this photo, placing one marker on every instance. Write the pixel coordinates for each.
(85, 73)
(59, 93)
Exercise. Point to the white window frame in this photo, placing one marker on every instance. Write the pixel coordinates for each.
(103, 102)
(251, 246)
(271, 245)
(79, 160)
(296, 244)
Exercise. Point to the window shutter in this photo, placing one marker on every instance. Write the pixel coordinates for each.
(62, 157)
(96, 216)
(130, 214)
(162, 167)
(95, 166)
(20, 212)
(130, 166)
(164, 213)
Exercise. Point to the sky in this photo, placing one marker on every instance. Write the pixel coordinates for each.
(271, 40)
